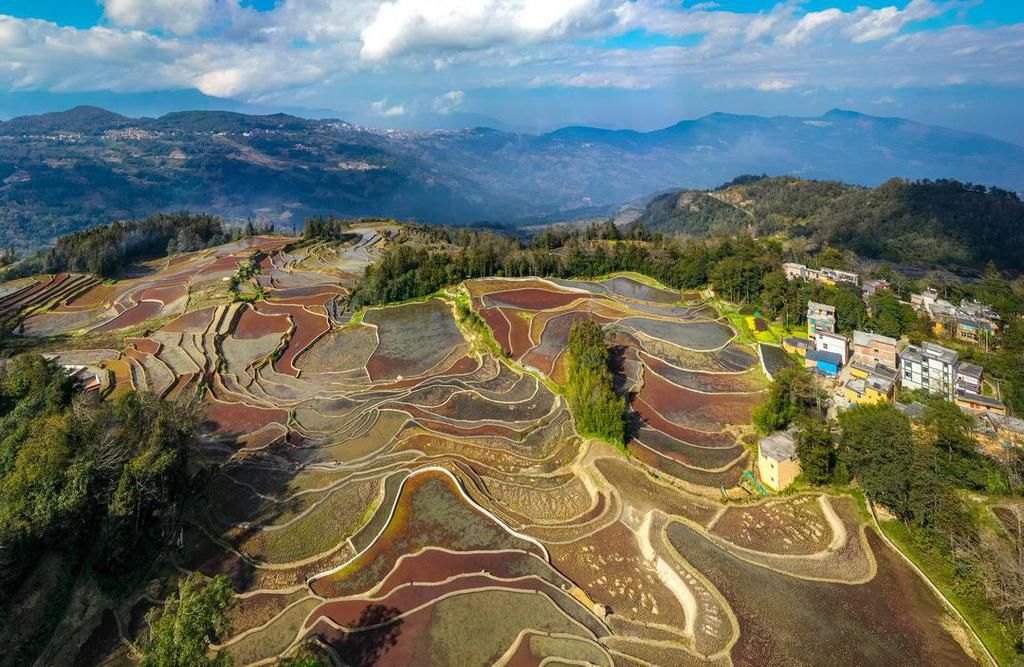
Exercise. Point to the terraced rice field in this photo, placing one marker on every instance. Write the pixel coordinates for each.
(407, 498)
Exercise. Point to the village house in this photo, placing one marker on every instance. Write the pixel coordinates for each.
(970, 391)
(980, 403)
(825, 276)
(930, 367)
(871, 349)
(794, 271)
(820, 318)
(869, 385)
(914, 411)
(825, 341)
(969, 378)
(942, 313)
(976, 322)
(971, 321)
(869, 286)
(777, 461)
(798, 346)
(825, 363)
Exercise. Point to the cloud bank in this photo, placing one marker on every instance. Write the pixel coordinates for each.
(424, 54)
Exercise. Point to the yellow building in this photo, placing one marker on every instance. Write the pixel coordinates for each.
(797, 345)
(870, 385)
(861, 392)
(979, 403)
(777, 462)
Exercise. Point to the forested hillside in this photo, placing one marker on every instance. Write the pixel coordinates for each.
(108, 250)
(937, 222)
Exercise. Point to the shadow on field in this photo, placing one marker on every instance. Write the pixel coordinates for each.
(364, 647)
(236, 505)
(625, 374)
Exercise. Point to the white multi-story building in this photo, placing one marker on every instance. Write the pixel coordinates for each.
(825, 341)
(930, 367)
(823, 275)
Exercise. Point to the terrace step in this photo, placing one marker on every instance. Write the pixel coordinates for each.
(176, 358)
(189, 347)
(139, 380)
(230, 317)
(159, 375)
(218, 314)
(18, 301)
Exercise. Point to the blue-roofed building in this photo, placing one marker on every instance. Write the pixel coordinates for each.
(826, 363)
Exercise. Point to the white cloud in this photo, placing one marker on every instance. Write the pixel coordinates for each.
(407, 26)
(774, 85)
(39, 55)
(324, 47)
(810, 24)
(604, 80)
(182, 17)
(450, 101)
(381, 108)
(880, 23)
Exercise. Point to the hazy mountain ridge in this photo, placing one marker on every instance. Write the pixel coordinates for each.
(63, 171)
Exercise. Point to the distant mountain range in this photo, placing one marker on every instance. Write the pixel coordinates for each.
(158, 103)
(63, 171)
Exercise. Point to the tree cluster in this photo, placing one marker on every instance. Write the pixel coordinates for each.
(598, 410)
(100, 482)
(736, 267)
(793, 395)
(920, 471)
(180, 632)
(328, 229)
(106, 250)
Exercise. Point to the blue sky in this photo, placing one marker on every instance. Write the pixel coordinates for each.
(530, 64)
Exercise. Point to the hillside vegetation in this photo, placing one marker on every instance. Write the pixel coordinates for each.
(94, 487)
(936, 222)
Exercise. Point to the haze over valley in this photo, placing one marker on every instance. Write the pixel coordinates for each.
(68, 170)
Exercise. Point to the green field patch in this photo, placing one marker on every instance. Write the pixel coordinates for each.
(335, 517)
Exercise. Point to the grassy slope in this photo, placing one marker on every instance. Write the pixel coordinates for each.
(971, 603)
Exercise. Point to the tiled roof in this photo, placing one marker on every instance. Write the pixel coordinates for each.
(828, 357)
(778, 446)
(867, 338)
(970, 370)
